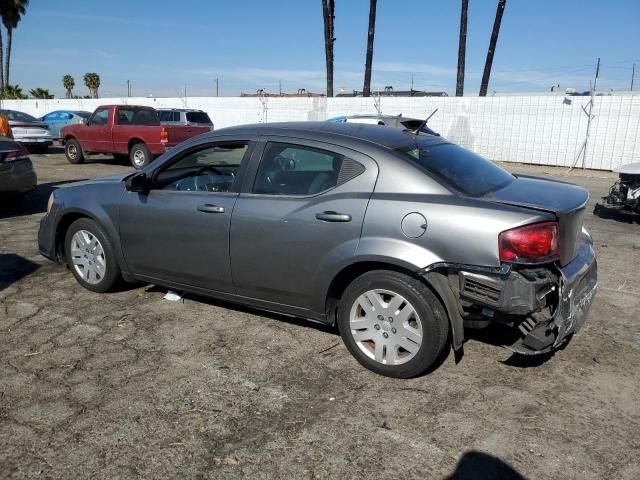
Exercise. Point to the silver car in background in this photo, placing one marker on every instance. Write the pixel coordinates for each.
(29, 131)
(184, 116)
(401, 239)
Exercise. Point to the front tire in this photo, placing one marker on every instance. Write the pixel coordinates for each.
(392, 323)
(73, 151)
(90, 256)
(140, 156)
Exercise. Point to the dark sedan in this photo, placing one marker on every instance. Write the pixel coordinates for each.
(401, 238)
(17, 176)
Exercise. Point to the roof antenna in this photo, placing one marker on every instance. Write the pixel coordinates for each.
(416, 130)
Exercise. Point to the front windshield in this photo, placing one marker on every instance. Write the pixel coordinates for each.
(457, 167)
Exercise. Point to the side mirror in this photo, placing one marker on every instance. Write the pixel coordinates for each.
(138, 183)
(85, 121)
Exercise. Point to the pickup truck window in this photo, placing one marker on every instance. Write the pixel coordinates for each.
(136, 116)
(100, 117)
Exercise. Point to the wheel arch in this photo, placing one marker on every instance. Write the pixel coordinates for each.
(134, 141)
(63, 225)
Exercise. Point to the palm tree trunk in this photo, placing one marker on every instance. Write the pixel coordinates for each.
(492, 47)
(8, 59)
(1, 63)
(462, 47)
(366, 89)
(328, 10)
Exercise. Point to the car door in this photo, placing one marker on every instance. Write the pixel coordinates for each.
(96, 137)
(178, 232)
(298, 216)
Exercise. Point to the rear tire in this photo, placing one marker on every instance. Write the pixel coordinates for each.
(393, 324)
(73, 151)
(140, 156)
(90, 256)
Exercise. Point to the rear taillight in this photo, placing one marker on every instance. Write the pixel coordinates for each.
(164, 136)
(21, 154)
(532, 243)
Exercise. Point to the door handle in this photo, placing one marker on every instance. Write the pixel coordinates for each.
(208, 208)
(333, 217)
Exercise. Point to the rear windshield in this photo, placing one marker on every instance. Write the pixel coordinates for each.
(198, 117)
(137, 116)
(18, 116)
(457, 167)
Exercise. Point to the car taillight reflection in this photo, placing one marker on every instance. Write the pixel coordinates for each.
(21, 154)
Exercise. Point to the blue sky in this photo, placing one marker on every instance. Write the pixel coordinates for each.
(163, 47)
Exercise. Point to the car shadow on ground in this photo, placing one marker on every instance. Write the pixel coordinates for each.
(289, 319)
(31, 203)
(616, 214)
(13, 268)
(109, 160)
(503, 336)
(475, 465)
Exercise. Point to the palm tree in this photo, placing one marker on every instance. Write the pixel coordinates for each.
(12, 12)
(40, 93)
(12, 92)
(92, 81)
(366, 89)
(492, 48)
(68, 83)
(328, 13)
(462, 47)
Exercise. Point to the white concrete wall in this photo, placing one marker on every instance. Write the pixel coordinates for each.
(546, 130)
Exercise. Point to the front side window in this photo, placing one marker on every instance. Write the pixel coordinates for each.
(209, 169)
(288, 169)
(100, 117)
(457, 167)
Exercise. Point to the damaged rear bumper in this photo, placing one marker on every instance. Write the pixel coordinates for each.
(543, 305)
(577, 285)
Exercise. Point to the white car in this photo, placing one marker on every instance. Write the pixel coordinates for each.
(29, 131)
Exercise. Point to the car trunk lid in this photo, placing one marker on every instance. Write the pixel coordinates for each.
(565, 200)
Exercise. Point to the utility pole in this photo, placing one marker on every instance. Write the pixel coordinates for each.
(280, 87)
(128, 88)
(217, 90)
(633, 75)
(412, 84)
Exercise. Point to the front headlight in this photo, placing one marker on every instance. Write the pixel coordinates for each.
(50, 203)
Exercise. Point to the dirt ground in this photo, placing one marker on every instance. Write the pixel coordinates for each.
(128, 385)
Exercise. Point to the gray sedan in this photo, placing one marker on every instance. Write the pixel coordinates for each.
(403, 240)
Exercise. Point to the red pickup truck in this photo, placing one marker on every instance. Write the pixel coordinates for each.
(124, 130)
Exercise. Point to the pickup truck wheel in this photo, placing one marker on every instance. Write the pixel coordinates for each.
(392, 323)
(73, 151)
(140, 156)
(90, 256)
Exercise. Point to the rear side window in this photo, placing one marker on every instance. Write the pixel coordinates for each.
(288, 169)
(137, 116)
(198, 117)
(457, 167)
